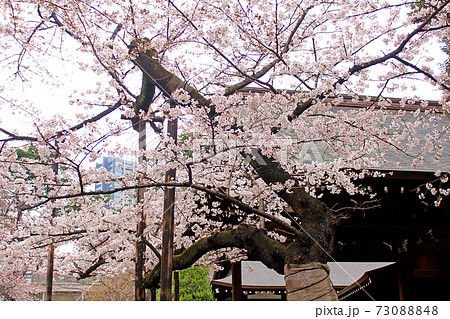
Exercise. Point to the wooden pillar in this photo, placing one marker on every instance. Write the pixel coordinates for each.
(49, 279)
(403, 274)
(168, 225)
(152, 294)
(176, 286)
(51, 250)
(139, 290)
(236, 281)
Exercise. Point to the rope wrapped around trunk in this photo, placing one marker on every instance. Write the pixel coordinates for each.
(309, 282)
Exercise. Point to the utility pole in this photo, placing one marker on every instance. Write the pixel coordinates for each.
(168, 224)
(139, 290)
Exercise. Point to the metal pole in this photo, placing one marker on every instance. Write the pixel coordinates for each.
(168, 225)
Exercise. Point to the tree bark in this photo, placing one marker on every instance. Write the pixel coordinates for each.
(166, 81)
(307, 282)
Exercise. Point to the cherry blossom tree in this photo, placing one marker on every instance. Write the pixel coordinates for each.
(79, 76)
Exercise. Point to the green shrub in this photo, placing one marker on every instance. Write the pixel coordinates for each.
(194, 285)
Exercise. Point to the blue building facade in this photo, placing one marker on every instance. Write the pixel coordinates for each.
(117, 166)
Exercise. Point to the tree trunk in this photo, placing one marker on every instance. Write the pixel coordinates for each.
(308, 282)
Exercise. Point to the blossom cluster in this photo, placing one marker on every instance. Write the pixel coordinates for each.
(284, 81)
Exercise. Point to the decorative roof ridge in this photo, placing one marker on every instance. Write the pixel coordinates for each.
(364, 101)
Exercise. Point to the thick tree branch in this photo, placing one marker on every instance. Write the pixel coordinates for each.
(15, 137)
(247, 208)
(93, 119)
(259, 247)
(153, 248)
(143, 102)
(166, 81)
(88, 272)
(317, 221)
(427, 74)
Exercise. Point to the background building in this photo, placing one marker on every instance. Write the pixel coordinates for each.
(117, 166)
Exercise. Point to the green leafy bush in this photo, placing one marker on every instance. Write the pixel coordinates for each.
(194, 285)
